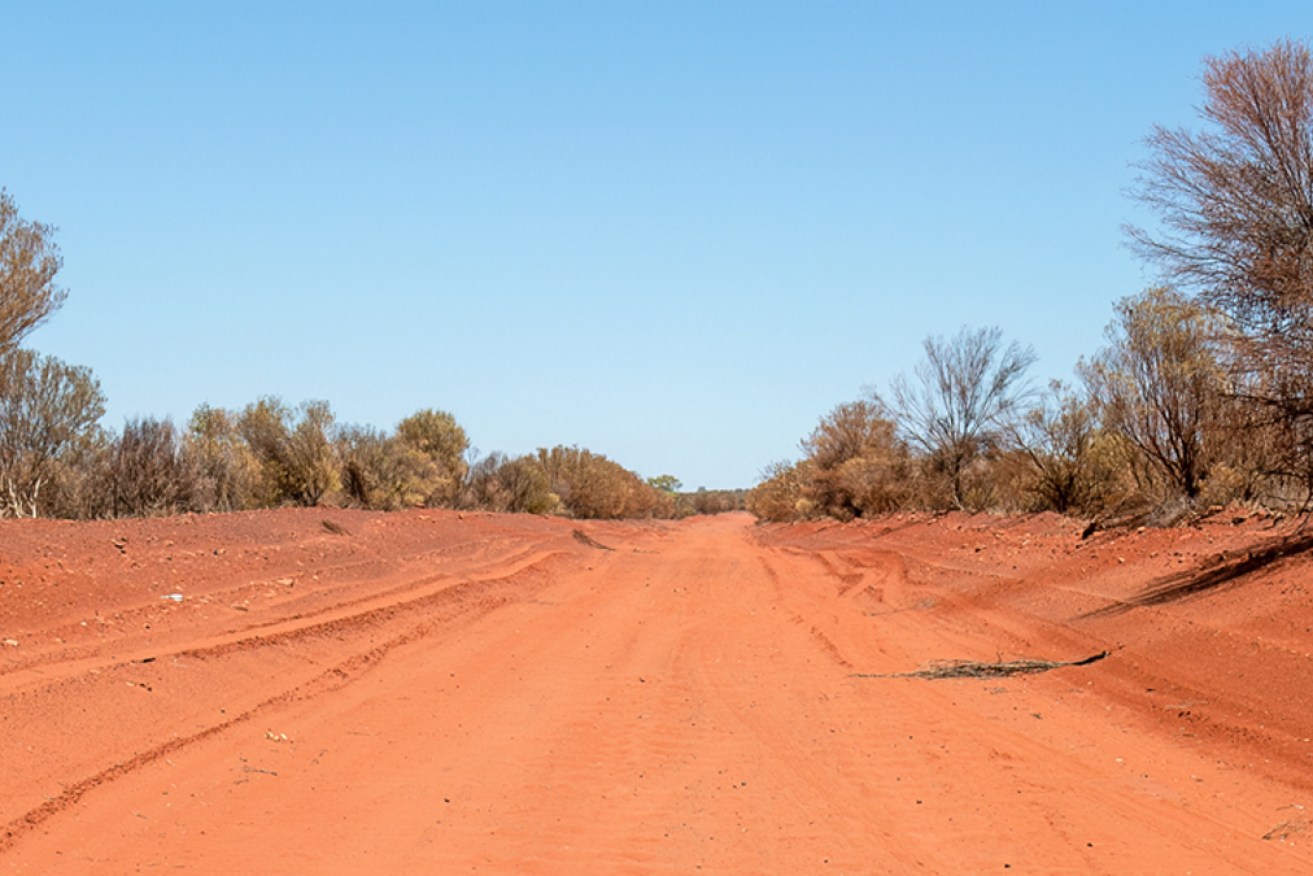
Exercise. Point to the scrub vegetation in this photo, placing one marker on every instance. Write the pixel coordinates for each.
(1202, 394)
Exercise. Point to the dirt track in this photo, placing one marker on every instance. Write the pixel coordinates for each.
(426, 693)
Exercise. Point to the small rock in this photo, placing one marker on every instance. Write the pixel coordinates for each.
(12, 643)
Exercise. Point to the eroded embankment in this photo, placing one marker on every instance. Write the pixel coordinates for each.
(1211, 625)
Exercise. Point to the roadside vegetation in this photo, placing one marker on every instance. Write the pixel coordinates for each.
(56, 460)
(1202, 394)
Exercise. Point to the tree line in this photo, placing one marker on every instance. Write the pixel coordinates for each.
(1203, 393)
(59, 463)
(56, 460)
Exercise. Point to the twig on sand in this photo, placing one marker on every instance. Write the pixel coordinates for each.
(333, 527)
(1283, 830)
(251, 769)
(587, 539)
(977, 669)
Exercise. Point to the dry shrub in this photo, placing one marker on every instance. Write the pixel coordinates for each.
(1159, 384)
(779, 496)
(78, 489)
(1060, 461)
(440, 440)
(518, 485)
(297, 460)
(229, 476)
(591, 486)
(705, 501)
(48, 416)
(382, 472)
(148, 474)
(857, 464)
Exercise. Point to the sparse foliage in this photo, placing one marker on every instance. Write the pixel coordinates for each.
(1236, 208)
(296, 456)
(48, 412)
(148, 473)
(1072, 467)
(29, 261)
(1159, 385)
(1236, 202)
(961, 398)
(228, 474)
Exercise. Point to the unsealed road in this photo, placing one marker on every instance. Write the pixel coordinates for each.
(686, 700)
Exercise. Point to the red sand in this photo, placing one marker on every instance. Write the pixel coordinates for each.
(430, 693)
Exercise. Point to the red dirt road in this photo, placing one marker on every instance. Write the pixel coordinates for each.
(429, 693)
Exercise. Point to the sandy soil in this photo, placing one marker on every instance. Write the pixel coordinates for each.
(341, 692)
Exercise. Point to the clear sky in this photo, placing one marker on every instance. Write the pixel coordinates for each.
(673, 233)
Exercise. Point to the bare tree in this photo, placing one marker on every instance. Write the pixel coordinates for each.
(29, 261)
(1236, 208)
(960, 398)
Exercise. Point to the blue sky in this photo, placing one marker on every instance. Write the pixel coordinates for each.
(673, 233)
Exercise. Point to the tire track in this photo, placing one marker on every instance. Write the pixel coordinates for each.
(464, 603)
